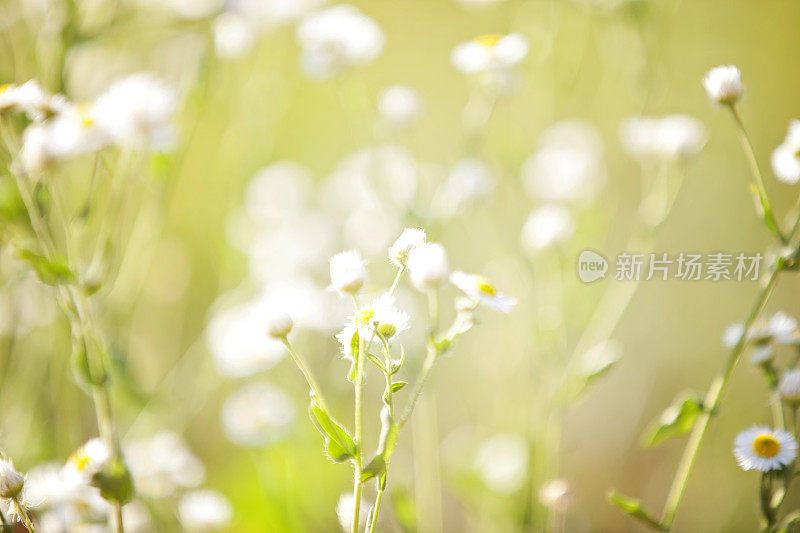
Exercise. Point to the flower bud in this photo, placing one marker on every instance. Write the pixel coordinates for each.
(789, 386)
(11, 481)
(724, 84)
(428, 266)
(279, 325)
(348, 272)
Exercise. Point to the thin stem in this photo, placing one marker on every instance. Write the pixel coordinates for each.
(23, 514)
(711, 405)
(397, 279)
(375, 508)
(304, 370)
(358, 385)
(747, 145)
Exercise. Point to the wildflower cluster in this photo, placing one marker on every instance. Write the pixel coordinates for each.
(370, 335)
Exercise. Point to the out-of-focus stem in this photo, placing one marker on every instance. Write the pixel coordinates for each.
(305, 371)
(359, 390)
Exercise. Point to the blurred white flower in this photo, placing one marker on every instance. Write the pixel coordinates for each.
(348, 340)
(277, 190)
(492, 52)
(764, 449)
(187, 9)
(136, 111)
(88, 460)
(667, 137)
(568, 166)
(502, 462)
(234, 35)
(25, 304)
(555, 494)
(162, 464)
(345, 511)
(789, 386)
(408, 240)
(724, 84)
(268, 13)
(11, 481)
(786, 157)
(469, 180)
(336, 38)
(732, 334)
(348, 272)
(481, 291)
(279, 324)
(28, 98)
(136, 518)
(399, 105)
(547, 225)
(427, 266)
(238, 342)
(204, 510)
(257, 414)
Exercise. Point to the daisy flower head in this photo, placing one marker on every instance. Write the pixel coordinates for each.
(336, 38)
(348, 339)
(789, 386)
(764, 449)
(279, 324)
(399, 105)
(428, 266)
(89, 459)
(386, 318)
(548, 225)
(408, 240)
(724, 84)
(136, 111)
(491, 52)
(28, 98)
(786, 157)
(348, 272)
(480, 290)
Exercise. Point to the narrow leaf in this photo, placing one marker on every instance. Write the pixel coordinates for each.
(678, 419)
(339, 444)
(633, 507)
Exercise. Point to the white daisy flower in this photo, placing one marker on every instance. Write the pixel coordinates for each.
(28, 98)
(480, 290)
(782, 328)
(88, 460)
(668, 137)
(385, 318)
(724, 84)
(786, 157)
(234, 35)
(427, 266)
(204, 510)
(163, 464)
(399, 105)
(336, 38)
(555, 494)
(732, 335)
(764, 449)
(348, 272)
(502, 462)
(548, 225)
(348, 339)
(491, 52)
(408, 240)
(789, 386)
(136, 111)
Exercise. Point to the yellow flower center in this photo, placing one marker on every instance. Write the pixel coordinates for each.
(364, 316)
(80, 461)
(766, 445)
(83, 112)
(4, 87)
(490, 39)
(484, 286)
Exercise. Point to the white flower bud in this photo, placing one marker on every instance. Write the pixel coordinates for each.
(279, 325)
(789, 386)
(348, 272)
(11, 481)
(427, 266)
(408, 240)
(724, 84)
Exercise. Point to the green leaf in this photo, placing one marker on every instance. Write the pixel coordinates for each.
(633, 507)
(765, 210)
(398, 385)
(376, 467)
(51, 271)
(339, 444)
(678, 419)
(398, 364)
(376, 361)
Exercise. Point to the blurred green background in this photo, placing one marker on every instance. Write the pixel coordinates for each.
(597, 61)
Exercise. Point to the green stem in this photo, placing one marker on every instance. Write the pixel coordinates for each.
(306, 373)
(23, 514)
(711, 405)
(747, 145)
(378, 500)
(359, 390)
